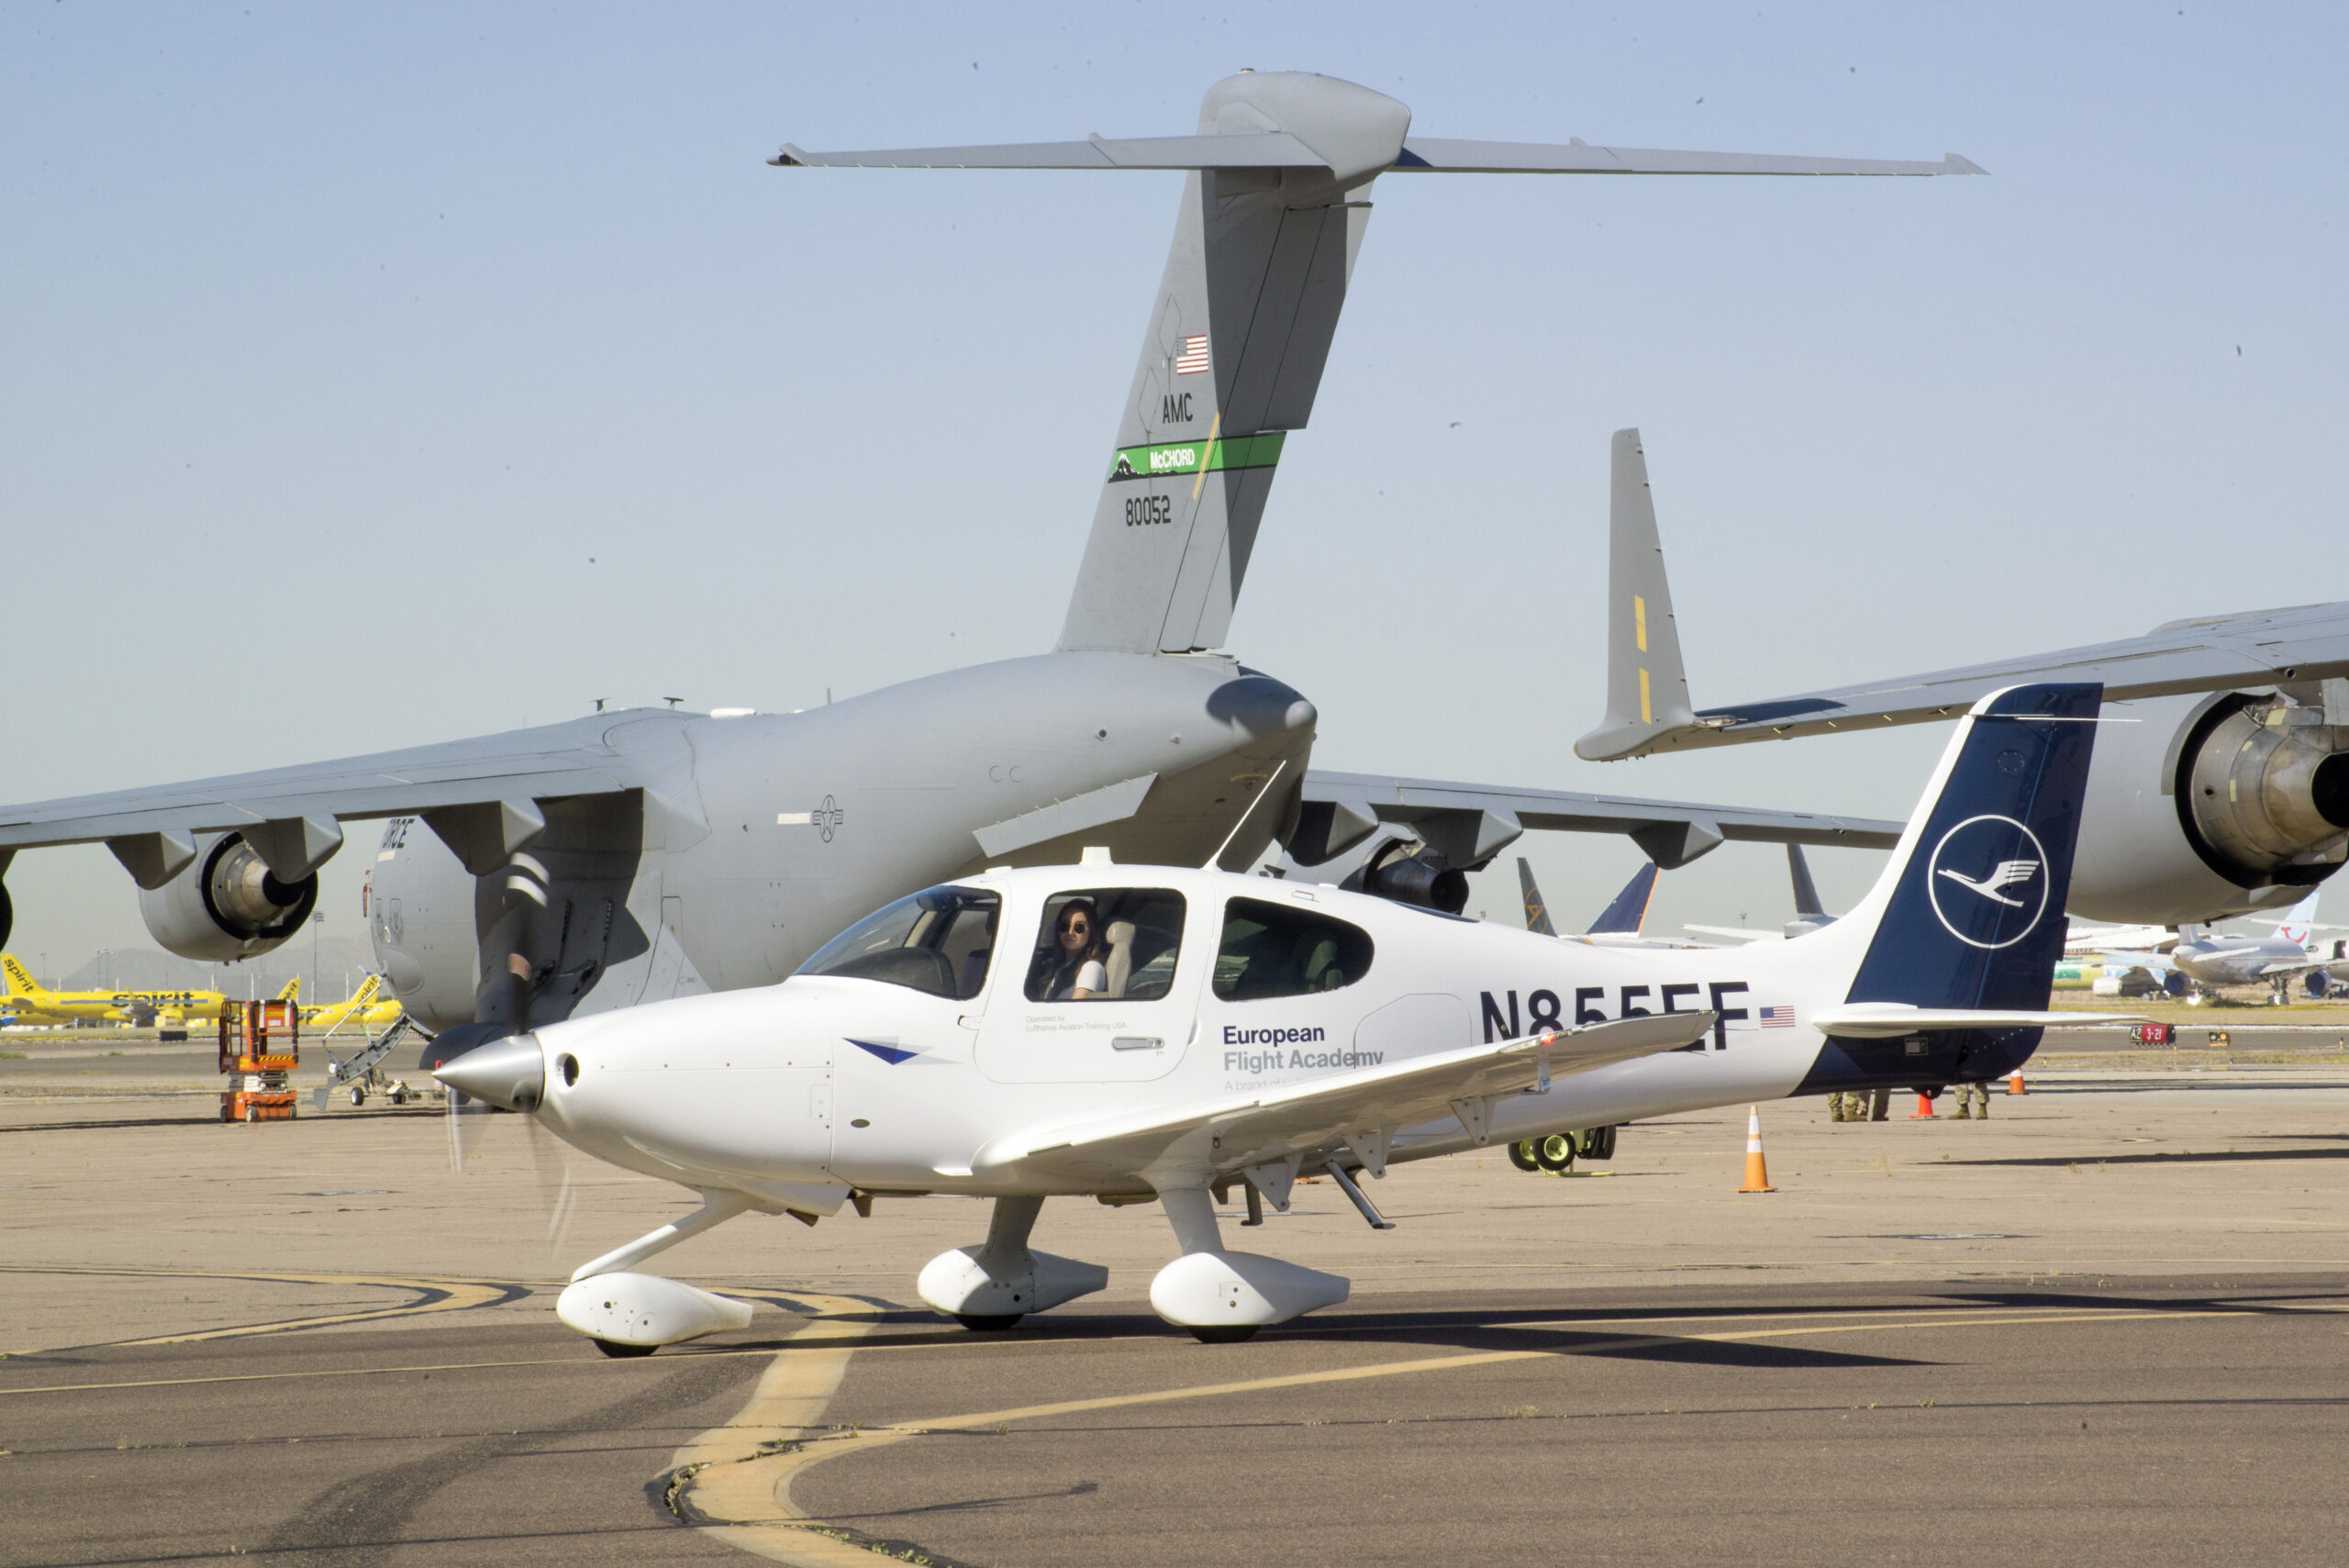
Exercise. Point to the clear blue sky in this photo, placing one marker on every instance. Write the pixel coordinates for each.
(382, 374)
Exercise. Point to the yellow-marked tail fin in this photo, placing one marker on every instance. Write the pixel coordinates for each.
(292, 992)
(19, 984)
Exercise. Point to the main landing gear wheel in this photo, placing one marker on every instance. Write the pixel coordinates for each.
(1555, 1153)
(358, 1098)
(988, 1322)
(619, 1351)
(1223, 1334)
(1520, 1154)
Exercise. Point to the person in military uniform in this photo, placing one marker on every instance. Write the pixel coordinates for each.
(1978, 1094)
(1883, 1106)
(1836, 1107)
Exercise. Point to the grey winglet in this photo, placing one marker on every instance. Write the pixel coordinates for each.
(1959, 163)
(1647, 687)
(1806, 903)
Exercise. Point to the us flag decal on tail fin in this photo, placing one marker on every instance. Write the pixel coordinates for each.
(1194, 357)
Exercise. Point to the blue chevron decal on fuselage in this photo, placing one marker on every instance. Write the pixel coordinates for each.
(891, 1054)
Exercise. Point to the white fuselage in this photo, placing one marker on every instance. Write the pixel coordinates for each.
(827, 1083)
(2238, 961)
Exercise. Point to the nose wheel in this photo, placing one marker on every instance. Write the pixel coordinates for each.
(1222, 1333)
(619, 1351)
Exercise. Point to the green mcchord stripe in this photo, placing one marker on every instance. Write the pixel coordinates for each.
(1191, 457)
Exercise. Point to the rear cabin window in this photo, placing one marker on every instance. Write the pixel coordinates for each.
(938, 941)
(1278, 949)
(1110, 944)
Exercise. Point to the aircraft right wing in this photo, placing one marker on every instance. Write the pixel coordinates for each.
(1470, 823)
(1648, 707)
(1234, 1131)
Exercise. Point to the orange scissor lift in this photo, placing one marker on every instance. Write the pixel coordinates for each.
(259, 1047)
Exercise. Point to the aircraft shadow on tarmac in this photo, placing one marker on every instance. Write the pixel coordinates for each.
(2279, 1300)
(2156, 1157)
(1527, 1329)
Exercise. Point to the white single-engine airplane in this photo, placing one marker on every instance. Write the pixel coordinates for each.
(1147, 1033)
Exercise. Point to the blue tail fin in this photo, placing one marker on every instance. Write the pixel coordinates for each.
(1630, 911)
(1537, 914)
(1972, 911)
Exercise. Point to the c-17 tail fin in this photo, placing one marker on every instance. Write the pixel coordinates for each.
(1272, 215)
(1647, 686)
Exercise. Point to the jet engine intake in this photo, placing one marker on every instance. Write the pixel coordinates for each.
(2202, 808)
(1409, 872)
(227, 905)
(2263, 791)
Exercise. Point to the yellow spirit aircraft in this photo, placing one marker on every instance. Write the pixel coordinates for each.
(28, 1002)
(365, 1007)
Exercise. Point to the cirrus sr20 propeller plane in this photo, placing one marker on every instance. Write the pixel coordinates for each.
(1139, 1033)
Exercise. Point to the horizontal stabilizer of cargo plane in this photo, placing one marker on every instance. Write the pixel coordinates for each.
(1271, 219)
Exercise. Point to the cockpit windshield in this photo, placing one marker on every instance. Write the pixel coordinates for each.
(938, 941)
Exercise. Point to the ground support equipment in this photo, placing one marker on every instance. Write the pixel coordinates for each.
(260, 1048)
(361, 1074)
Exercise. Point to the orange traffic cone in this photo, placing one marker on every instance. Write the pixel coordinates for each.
(2014, 1083)
(1757, 1174)
(1924, 1111)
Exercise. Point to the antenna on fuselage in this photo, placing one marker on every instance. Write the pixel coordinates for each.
(1227, 837)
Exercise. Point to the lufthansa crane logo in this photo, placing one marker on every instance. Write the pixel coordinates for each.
(1985, 874)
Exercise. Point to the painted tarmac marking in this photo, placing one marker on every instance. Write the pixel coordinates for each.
(757, 1515)
(434, 1296)
(732, 1481)
(1908, 1317)
(585, 1360)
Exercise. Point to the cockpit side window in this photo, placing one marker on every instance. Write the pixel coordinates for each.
(1111, 944)
(1278, 949)
(938, 941)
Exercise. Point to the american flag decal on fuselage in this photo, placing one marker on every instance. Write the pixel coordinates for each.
(1193, 358)
(1776, 1018)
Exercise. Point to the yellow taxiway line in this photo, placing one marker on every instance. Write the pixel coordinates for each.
(437, 1295)
(734, 1482)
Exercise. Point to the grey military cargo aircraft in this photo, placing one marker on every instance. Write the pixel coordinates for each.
(2220, 785)
(633, 856)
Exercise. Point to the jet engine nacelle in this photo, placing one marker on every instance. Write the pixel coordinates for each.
(2210, 806)
(227, 905)
(1409, 872)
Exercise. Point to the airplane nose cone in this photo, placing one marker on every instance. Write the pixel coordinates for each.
(510, 1074)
